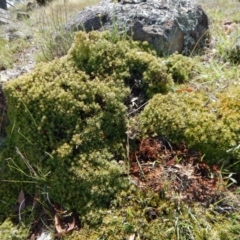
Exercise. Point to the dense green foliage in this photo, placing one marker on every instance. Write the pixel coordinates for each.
(148, 216)
(182, 68)
(70, 129)
(67, 132)
(10, 231)
(100, 54)
(209, 124)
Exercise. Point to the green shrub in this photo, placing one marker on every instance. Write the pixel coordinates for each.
(100, 54)
(70, 129)
(151, 70)
(123, 59)
(67, 119)
(234, 52)
(10, 231)
(206, 125)
(181, 67)
(144, 214)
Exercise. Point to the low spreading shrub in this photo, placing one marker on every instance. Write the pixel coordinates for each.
(67, 118)
(205, 124)
(181, 67)
(69, 128)
(100, 54)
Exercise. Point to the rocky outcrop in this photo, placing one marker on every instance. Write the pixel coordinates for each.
(169, 25)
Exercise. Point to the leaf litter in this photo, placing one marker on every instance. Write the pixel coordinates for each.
(174, 170)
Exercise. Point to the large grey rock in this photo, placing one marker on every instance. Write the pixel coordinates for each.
(4, 17)
(169, 25)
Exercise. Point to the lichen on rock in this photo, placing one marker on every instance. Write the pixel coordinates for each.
(170, 26)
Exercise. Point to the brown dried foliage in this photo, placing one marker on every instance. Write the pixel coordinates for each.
(174, 170)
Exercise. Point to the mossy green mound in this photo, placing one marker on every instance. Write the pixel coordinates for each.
(146, 215)
(102, 54)
(67, 118)
(8, 230)
(69, 129)
(206, 123)
(67, 122)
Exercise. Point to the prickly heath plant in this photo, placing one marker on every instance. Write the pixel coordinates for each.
(125, 60)
(10, 231)
(181, 67)
(70, 129)
(208, 125)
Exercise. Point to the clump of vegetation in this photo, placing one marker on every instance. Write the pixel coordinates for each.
(181, 67)
(208, 124)
(70, 129)
(56, 48)
(57, 40)
(234, 53)
(146, 215)
(67, 135)
(6, 59)
(68, 118)
(123, 59)
(229, 51)
(8, 230)
(8, 51)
